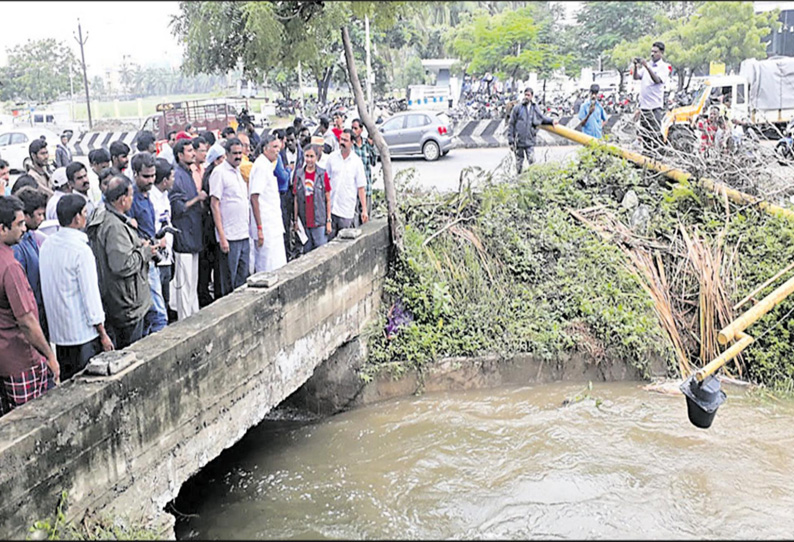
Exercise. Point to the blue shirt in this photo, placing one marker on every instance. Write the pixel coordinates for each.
(26, 253)
(71, 288)
(282, 175)
(142, 210)
(594, 125)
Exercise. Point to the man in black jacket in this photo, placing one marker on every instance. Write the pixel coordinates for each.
(186, 215)
(523, 128)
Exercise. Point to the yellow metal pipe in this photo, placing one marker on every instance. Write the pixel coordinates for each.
(744, 341)
(732, 330)
(670, 172)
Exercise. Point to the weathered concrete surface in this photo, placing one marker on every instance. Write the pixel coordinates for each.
(125, 444)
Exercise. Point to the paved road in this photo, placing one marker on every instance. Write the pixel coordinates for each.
(444, 173)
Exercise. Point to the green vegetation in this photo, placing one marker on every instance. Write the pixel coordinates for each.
(90, 528)
(513, 271)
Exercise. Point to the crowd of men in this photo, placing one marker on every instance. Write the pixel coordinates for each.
(169, 231)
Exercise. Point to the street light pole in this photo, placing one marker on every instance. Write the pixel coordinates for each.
(82, 42)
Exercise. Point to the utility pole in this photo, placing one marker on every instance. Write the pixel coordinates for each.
(71, 93)
(369, 66)
(82, 42)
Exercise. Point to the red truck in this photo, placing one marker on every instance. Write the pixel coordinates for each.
(212, 114)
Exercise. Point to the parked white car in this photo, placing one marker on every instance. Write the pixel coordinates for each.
(14, 143)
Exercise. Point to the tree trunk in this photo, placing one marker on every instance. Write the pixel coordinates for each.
(372, 130)
(689, 80)
(622, 83)
(322, 90)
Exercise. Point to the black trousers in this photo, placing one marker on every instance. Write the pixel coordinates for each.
(73, 359)
(651, 129)
(124, 335)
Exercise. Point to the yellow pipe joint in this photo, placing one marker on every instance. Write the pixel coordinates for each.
(752, 315)
(735, 349)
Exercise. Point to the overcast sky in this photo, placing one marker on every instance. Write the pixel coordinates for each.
(138, 29)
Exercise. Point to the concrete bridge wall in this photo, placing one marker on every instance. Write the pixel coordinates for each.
(126, 443)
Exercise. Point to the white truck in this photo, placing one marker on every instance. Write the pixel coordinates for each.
(762, 94)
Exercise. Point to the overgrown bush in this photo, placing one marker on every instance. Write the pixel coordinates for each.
(509, 270)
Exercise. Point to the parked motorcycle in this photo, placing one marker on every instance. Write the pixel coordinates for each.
(784, 150)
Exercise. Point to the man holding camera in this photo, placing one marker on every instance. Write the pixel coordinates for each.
(142, 211)
(652, 76)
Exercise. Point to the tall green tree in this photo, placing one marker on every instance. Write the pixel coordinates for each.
(257, 36)
(511, 44)
(38, 71)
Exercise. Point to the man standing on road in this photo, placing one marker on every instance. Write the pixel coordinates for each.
(201, 147)
(142, 210)
(23, 347)
(70, 288)
(163, 183)
(366, 151)
(292, 158)
(324, 130)
(119, 156)
(62, 185)
(26, 251)
(186, 212)
(63, 156)
(81, 185)
(122, 264)
(39, 168)
(347, 177)
(522, 129)
(267, 227)
(98, 159)
(653, 78)
(229, 202)
(5, 176)
(592, 115)
(167, 150)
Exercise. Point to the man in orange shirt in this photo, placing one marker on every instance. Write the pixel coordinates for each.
(246, 164)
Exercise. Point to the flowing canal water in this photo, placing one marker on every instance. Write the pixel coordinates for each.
(507, 463)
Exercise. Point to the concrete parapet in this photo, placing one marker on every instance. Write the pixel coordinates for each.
(125, 443)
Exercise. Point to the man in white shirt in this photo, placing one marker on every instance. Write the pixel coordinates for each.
(229, 203)
(70, 289)
(167, 150)
(346, 172)
(267, 226)
(652, 76)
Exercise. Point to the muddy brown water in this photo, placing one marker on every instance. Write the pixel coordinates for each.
(506, 463)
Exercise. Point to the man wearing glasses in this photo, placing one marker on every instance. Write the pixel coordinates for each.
(653, 76)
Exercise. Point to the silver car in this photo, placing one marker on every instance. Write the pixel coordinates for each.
(418, 132)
